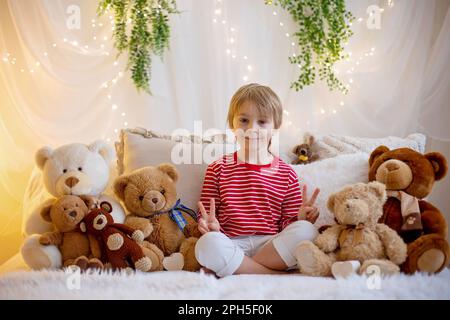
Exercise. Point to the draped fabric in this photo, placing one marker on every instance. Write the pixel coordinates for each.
(61, 84)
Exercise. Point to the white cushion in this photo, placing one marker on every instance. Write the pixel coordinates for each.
(327, 146)
(331, 175)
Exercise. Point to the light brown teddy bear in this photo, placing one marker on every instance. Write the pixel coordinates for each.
(76, 248)
(356, 238)
(150, 197)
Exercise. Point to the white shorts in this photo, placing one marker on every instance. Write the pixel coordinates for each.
(217, 252)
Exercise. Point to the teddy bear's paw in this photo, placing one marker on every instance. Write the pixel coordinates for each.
(431, 261)
(305, 257)
(138, 236)
(95, 263)
(311, 261)
(82, 262)
(143, 264)
(344, 269)
(174, 262)
(380, 267)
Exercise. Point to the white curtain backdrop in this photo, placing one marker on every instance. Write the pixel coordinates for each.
(61, 85)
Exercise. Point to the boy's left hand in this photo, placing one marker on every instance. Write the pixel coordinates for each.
(308, 211)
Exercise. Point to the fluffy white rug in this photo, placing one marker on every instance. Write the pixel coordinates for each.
(185, 285)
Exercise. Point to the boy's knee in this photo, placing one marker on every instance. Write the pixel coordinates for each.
(209, 247)
(217, 252)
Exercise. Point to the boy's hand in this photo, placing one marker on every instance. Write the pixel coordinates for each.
(208, 221)
(308, 211)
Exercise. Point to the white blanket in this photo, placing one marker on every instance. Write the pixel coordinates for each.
(186, 285)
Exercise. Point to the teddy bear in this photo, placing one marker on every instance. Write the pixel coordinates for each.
(76, 248)
(75, 169)
(303, 152)
(409, 177)
(118, 243)
(356, 237)
(150, 197)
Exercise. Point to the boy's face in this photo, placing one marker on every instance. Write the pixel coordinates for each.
(251, 128)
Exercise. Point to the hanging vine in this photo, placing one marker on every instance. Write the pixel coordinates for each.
(141, 29)
(323, 29)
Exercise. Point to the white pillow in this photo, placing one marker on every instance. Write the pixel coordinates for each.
(331, 175)
(138, 148)
(327, 146)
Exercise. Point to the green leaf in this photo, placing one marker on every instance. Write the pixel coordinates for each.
(323, 28)
(141, 29)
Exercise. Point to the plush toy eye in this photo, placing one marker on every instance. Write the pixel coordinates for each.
(163, 191)
(141, 198)
(80, 169)
(65, 170)
(76, 205)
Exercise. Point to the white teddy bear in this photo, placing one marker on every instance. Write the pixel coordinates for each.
(75, 169)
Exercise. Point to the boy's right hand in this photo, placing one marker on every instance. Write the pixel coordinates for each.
(208, 221)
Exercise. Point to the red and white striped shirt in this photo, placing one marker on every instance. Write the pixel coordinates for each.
(252, 199)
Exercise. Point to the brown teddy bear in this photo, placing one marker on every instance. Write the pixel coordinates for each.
(304, 153)
(76, 248)
(357, 236)
(149, 194)
(118, 242)
(409, 177)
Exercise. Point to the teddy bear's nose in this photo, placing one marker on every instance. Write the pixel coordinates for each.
(73, 214)
(70, 182)
(155, 200)
(100, 221)
(391, 166)
(141, 198)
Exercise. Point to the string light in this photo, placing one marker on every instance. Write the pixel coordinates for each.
(231, 40)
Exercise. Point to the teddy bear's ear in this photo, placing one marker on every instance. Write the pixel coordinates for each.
(106, 206)
(90, 201)
(376, 153)
(42, 155)
(439, 164)
(170, 170)
(104, 149)
(45, 213)
(330, 202)
(379, 189)
(119, 186)
(308, 138)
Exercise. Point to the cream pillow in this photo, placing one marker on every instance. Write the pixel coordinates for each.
(191, 155)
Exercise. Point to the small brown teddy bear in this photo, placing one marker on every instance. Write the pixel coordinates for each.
(303, 152)
(357, 236)
(76, 248)
(117, 241)
(149, 194)
(409, 177)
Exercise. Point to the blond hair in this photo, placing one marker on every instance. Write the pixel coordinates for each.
(264, 98)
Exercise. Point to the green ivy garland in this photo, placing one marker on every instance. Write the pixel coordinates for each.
(148, 33)
(323, 29)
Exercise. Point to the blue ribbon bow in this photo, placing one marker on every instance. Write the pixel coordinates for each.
(176, 214)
